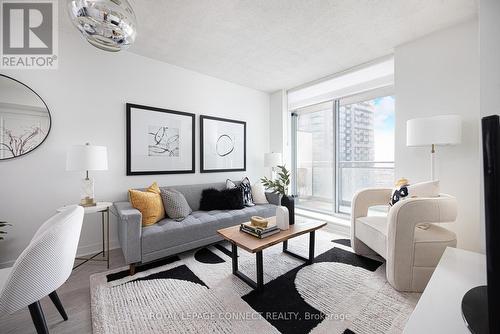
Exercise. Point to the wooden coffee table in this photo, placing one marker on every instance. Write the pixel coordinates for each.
(255, 245)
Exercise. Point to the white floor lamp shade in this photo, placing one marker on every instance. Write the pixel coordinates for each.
(87, 158)
(433, 131)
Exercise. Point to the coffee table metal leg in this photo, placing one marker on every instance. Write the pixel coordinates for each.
(260, 270)
(312, 237)
(307, 260)
(234, 257)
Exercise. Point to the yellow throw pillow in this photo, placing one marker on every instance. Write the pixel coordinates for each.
(149, 203)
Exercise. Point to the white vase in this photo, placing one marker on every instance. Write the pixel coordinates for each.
(282, 220)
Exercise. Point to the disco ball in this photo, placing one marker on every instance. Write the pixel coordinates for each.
(109, 25)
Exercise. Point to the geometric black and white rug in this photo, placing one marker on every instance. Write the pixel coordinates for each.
(195, 292)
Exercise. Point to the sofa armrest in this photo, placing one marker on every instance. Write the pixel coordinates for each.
(273, 198)
(129, 231)
(403, 217)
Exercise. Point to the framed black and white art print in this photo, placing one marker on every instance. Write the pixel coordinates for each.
(159, 141)
(222, 145)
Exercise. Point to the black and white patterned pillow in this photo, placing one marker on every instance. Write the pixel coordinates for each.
(246, 189)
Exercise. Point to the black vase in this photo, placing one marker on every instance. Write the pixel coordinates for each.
(289, 203)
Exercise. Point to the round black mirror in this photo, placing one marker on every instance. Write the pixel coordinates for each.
(24, 119)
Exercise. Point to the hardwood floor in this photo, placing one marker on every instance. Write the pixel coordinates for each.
(75, 297)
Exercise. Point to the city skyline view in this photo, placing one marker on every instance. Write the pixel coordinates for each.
(364, 151)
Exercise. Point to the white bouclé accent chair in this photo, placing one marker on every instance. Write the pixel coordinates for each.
(411, 253)
(42, 267)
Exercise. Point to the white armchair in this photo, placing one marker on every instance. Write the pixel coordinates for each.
(411, 253)
(42, 267)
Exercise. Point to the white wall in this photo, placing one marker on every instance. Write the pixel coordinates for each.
(439, 74)
(87, 97)
(489, 50)
(279, 139)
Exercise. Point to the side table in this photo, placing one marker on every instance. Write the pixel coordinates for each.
(103, 208)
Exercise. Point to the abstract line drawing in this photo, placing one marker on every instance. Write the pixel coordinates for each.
(21, 144)
(224, 145)
(163, 141)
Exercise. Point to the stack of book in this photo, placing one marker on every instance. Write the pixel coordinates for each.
(259, 232)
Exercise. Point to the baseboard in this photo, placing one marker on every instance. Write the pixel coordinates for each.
(94, 248)
(82, 251)
(335, 224)
(7, 264)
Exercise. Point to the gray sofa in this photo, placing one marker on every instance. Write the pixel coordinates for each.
(168, 237)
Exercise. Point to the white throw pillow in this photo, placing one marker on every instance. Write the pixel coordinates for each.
(424, 189)
(259, 194)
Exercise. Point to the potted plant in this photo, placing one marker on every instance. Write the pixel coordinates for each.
(3, 224)
(280, 186)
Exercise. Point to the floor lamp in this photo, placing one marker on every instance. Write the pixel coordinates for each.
(434, 131)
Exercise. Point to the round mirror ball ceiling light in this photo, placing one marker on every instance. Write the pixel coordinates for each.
(109, 25)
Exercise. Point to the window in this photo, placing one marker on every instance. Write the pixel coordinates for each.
(365, 149)
(341, 146)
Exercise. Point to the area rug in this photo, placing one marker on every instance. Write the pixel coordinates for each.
(195, 292)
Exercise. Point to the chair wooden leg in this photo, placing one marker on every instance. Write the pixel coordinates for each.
(132, 269)
(38, 318)
(57, 302)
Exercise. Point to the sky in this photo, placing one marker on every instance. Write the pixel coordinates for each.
(384, 128)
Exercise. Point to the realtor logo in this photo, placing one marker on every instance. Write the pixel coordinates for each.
(29, 34)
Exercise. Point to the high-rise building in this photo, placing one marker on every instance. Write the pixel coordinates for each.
(356, 132)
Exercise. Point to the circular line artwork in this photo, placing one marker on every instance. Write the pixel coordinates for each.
(224, 145)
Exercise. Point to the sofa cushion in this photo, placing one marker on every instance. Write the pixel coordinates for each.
(213, 199)
(372, 231)
(149, 203)
(169, 233)
(192, 192)
(246, 190)
(175, 204)
(198, 225)
(262, 210)
(259, 193)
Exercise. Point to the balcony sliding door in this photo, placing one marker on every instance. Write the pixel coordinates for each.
(315, 156)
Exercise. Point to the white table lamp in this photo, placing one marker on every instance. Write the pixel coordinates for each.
(272, 160)
(87, 158)
(434, 131)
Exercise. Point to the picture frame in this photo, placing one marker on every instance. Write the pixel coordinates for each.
(222, 145)
(159, 141)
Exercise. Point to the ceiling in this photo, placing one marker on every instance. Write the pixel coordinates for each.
(273, 44)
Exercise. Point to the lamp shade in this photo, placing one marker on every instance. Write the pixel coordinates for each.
(272, 159)
(87, 157)
(438, 130)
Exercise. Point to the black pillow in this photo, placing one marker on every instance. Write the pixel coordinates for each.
(227, 199)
